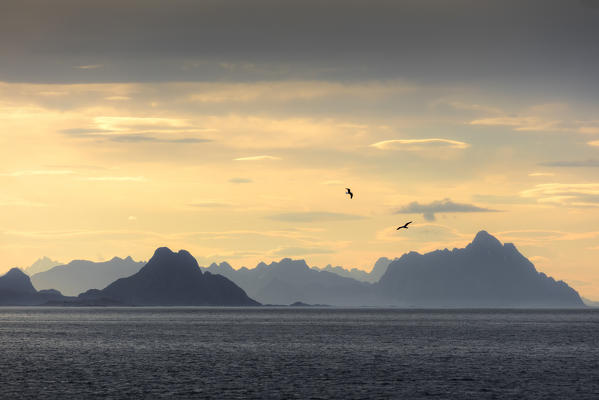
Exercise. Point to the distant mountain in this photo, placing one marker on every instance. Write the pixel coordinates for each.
(289, 281)
(80, 275)
(172, 279)
(353, 273)
(373, 276)
(590, 303)
(16, 290)
(41, 265)
(379, 268)
(484, 274)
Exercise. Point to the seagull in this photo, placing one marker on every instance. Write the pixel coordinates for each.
(404, 225)
(351, 195)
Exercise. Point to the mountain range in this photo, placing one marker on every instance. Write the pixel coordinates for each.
(289, 281)
(486, 273)
(16, 290)
(380, 266)
(41, 265)
(172, 279)
(81, 275)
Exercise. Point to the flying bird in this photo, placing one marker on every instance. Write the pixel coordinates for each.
(351, 195)
(404, 225)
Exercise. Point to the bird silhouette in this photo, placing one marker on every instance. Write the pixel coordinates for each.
(404, 225)
(351, 195)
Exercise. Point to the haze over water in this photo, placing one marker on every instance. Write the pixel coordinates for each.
(74, 353)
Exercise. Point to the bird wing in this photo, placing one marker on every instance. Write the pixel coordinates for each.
(351, 195)
(408, 223)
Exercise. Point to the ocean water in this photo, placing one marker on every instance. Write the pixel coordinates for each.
(302, 353)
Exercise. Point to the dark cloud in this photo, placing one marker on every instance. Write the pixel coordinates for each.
(429, 210)
(574, 164)
(582, 200)
(590, 3)
(317, 216)
(146, 138)
(109, 135)
(576, 199)
(84, 132)
(240, 180)
(183, 40)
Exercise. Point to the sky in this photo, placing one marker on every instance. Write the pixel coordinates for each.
(232, 128)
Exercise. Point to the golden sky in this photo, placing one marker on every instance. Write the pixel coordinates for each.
(254, 168)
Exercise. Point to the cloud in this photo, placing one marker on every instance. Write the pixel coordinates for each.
(140, 130)
(38, 172)
(13, 202)
(459, 105)
(240, 180)
(113, 125)
(210, 204)
(542, 117)
(573, 164)
(589, 130)
(115, 178)
(539, 237)
(565, 194)
(418, 144)
(77, 166)
(382, 49)
(281, 91)
(93, 66)
(501, 199)
(247, 129)
(131, 136)
(534, 174)
(256, 158)
(117, 98)
(300, 251)
(429, 210)
(295, 233)
(314, 216)
(519, 123)
(117, 125)
(52, 93)
(112, 234)
(594, 143)
(84, 131)
(152, 139)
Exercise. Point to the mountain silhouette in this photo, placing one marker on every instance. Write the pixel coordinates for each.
(379, 268)
(16, 289)
(289, 281)
(172, 279)
(81, 275)
(484, 274)
(590, 303)
(41, 265)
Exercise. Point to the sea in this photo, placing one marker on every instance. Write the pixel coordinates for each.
(297, 353)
